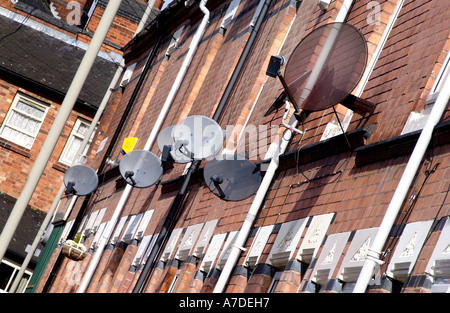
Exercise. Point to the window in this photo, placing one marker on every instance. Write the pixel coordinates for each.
(73, 144)
(275, 280)
(23, 121)
(8, 272)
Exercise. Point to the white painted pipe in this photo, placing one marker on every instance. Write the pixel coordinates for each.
(144, 19)
(150, 141)
(57, 126)
(268, 176)
(374, 252)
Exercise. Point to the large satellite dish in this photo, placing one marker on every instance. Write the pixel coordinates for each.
(197, 137)
(325, 67)
(232, 178)
(80, 180)
(140, 168)
(344, 52)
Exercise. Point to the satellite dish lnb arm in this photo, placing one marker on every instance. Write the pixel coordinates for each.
(70, 190)
(129, 175)
(288, 92)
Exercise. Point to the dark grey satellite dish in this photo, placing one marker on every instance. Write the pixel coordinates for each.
(332, 60)
(232, 178)
(197, 137)
(80, 180)
(140, 168)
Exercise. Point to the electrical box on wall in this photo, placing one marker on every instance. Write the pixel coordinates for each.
(324, 4)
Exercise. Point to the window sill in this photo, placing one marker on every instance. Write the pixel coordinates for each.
(60, 167)
(15, 148)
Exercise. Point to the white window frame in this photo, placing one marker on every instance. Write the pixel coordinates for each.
(22, 286)
(20, 98)
(64, 157)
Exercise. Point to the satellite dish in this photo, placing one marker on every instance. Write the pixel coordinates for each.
(326, 66)
(232, 178)
(197, 137)
(165, 139)
(140, 168)
(80, 180)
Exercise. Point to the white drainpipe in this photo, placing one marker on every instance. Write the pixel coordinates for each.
(265, 184)
(150, 141)
(373, 255)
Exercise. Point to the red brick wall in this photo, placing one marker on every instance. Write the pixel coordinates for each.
(345, 182)
(18, 161)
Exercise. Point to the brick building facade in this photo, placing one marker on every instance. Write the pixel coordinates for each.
(330, 193)
(40, 53)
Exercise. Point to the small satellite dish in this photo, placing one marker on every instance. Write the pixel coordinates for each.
(140, 168)
(165, 138)
(80, 180)
(165, 141)
(197, 137)
(232, 177)
(326, 66)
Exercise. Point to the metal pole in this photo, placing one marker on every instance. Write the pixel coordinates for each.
(58, 125)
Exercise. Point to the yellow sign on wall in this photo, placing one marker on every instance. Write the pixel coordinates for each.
(128, 144)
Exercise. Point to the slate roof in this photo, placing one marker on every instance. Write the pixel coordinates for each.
(28, 227)
(49, 61)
